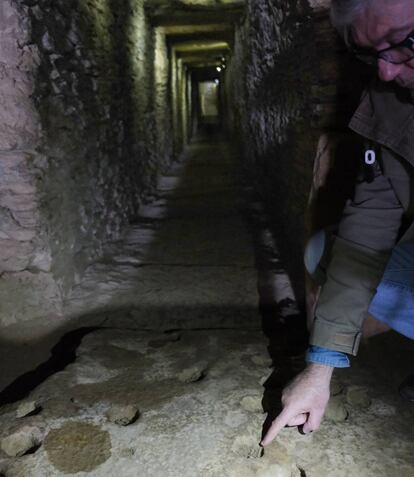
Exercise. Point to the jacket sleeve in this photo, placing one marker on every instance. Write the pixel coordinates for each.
(367, 233)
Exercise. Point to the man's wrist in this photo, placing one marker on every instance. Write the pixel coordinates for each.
(323, 370)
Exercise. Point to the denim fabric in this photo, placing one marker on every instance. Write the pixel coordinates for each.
(393, 304)
(318, 355)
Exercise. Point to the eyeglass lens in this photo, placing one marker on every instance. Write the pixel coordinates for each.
(397, 55)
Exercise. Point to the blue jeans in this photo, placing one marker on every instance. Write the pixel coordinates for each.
(393, 304)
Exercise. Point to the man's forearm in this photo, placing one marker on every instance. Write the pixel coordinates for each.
(366, 235)
(352, 277)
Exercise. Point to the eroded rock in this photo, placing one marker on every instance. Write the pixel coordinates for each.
(164, 340)
(262, 360)
(336, 387)
(276, 470)
(193, 374)
(247, 446)
(336, 410)
(123, 415)
(382, 409)
(264, 378)
(279, 462)
(358, 396)
(77, 447)
(252, 403)
(22, 441)
(26, 408)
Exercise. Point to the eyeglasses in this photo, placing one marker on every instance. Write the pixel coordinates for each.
(397, 54)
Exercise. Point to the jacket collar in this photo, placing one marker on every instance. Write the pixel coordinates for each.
(386, 115)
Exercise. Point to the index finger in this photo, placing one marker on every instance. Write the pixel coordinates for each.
(277, 425)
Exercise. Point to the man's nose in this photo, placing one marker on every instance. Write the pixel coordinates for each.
(387, 71)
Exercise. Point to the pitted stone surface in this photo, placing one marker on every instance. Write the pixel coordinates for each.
(27, 407)
(193, 374)
(123, 415)
(21, 441)
(336, 410)
(252, 403)
(336, 387)
(201, 426)
(358, 396)
(77, 447)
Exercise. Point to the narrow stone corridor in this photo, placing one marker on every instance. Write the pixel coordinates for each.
(188, 260)
(163, 164)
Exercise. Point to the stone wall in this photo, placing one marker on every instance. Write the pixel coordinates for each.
(83, 122)
(180, 103)
(291, 82)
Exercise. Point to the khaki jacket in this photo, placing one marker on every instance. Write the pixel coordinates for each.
(379, 216)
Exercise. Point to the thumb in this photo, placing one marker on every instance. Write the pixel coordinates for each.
(314, 421)
(298, 420)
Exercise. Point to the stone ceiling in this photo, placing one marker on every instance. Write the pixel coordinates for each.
(200, 32)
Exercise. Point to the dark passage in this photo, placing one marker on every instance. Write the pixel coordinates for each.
(162, 163)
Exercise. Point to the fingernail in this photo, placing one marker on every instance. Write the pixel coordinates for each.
(302, 431)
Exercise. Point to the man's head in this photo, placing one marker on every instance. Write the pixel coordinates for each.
(379, 25)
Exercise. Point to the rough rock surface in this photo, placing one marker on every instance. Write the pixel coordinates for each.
(77, 446)
(252, 403)
(193, 374)
(263, 361)
(123, 415)
(21, 441)
(26, 408)
(358, 396)
(336, 386)
(85, 131)
(336, 410)
(200, 429)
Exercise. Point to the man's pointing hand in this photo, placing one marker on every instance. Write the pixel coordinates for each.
(304, 401)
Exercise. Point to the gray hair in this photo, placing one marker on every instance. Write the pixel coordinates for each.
(343, 13)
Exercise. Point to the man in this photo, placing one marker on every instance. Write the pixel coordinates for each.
(375, 222)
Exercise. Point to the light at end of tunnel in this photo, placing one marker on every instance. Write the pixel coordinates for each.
(217, 81)
(218, 68)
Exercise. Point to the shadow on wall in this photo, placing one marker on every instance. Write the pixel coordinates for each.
(300, 84)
